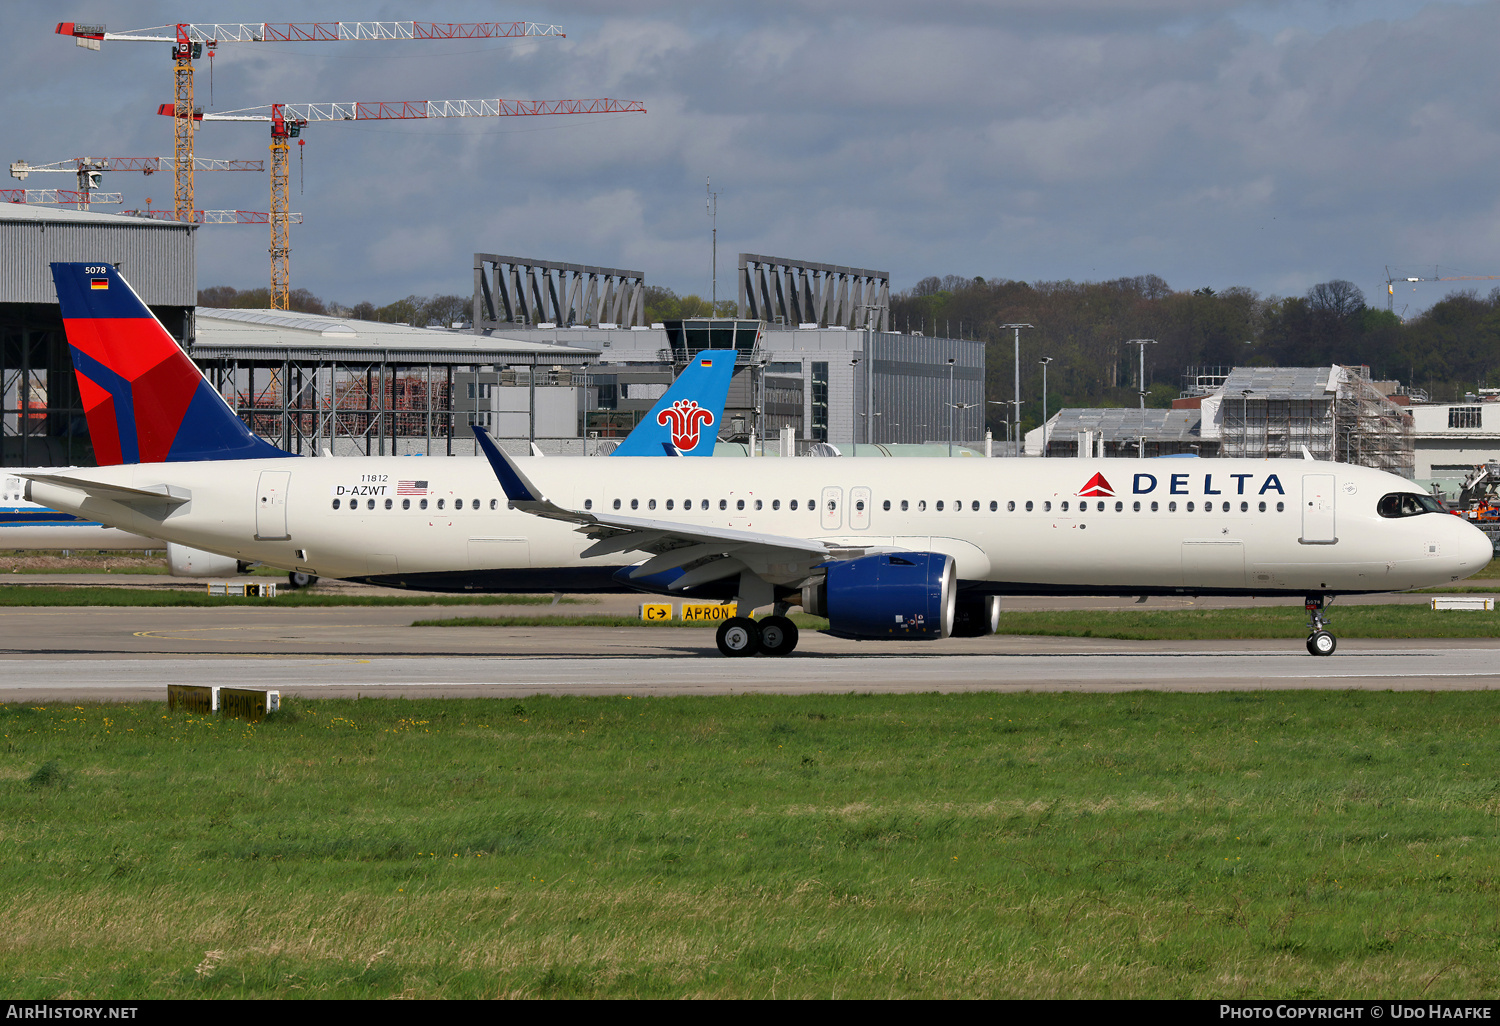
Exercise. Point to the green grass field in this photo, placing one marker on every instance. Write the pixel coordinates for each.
(69, 595)
(1277, 844)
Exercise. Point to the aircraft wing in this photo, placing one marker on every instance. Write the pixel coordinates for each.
(704, 552)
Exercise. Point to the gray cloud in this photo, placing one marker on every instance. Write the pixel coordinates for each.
(1267, 144)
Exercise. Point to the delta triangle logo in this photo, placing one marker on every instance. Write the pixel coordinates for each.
(1098, 486)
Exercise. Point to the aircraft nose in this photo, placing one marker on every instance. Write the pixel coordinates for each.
(1475, 550)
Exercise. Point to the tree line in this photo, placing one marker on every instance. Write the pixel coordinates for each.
(1084, 327)
(418, 311)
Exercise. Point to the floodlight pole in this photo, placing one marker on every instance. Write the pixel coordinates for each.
(1143, 343)
(1044, 361)
(1016, 433)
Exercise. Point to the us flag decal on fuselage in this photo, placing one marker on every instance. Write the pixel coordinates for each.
(411, 487)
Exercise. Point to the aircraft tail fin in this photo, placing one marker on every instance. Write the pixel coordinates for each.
(146, 402)
(687, 415)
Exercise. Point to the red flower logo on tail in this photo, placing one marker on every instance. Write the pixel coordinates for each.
(683, 419)
(1098, 486)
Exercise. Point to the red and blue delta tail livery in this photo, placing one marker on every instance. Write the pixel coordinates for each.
(146, 402)
(685, 420)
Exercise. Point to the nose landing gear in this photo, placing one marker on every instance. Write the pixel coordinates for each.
(1319, 641)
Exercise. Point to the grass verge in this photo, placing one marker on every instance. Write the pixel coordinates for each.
(49, 595)
(1144, 845)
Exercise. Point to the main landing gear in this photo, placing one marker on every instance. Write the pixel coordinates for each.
(1319, 641)
(742, 636)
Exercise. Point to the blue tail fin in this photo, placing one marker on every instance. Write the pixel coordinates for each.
(145, 401)
(687, 416)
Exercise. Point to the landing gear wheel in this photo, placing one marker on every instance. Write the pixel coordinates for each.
(739, 636)
(1321, 644)
(298, 579)
(778, 636)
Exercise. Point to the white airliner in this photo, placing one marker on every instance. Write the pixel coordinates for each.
(883, 548)
(893, 548)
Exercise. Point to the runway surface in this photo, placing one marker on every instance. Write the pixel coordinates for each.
(121, 654)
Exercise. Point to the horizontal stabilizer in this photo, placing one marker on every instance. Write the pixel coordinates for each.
(157, 495)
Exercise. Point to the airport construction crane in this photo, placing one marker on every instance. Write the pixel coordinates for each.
(288, 119)
(1391, 279)
(89, 170)
(189, 41)
(81, 200)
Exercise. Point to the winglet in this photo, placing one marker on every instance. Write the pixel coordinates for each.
(517, 488)
(670, 449)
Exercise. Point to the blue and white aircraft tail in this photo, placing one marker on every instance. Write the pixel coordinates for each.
(685, 420)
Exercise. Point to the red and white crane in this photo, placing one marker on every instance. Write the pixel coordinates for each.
(287, 120)
(189, 40)
(90, 169)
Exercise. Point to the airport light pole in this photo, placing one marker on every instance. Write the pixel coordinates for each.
(955, 406)
(1015, 435)
(950, 406)
(1143, 343)
(1045, 440)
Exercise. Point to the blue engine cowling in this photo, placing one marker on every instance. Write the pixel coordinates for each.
(887, 595)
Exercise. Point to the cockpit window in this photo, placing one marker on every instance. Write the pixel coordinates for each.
(1407, 504)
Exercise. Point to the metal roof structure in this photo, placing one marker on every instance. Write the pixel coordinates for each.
(1282, 382)
(280, 334)
(157, 256)
(1126, 423)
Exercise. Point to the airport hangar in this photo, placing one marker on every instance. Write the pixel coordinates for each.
(557, 355)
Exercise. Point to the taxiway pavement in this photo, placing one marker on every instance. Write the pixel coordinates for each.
(131, 653)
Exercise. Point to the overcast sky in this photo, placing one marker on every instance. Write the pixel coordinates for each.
(1215, 143)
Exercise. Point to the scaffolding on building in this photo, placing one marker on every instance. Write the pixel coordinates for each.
(1331, 413)
(1370, 430)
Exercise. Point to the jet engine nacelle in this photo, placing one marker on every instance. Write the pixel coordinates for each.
(887, 595)
(189, 562)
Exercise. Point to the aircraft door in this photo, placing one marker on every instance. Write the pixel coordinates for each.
(1318, 510)
(859, 509)
(831, 508)
(270, 505)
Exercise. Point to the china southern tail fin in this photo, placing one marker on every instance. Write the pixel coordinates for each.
(146, 402)
(687, 416)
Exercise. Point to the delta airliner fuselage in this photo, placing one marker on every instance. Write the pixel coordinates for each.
(1044, 526)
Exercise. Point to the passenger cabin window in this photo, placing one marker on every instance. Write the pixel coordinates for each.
(1407, 504)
